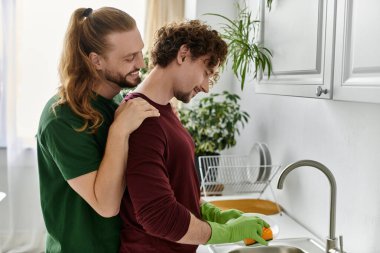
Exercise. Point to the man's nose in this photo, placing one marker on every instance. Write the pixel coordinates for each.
(140, 63)
(205, 85)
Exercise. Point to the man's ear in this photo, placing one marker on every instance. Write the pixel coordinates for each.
(96, 60)
(183, 53)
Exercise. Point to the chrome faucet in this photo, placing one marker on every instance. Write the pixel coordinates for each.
(331, 245)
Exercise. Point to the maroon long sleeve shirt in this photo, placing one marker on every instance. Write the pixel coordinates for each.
(162, 185)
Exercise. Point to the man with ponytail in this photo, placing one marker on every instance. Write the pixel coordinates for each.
(83, 135)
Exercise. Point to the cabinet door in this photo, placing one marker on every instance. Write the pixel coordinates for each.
(357, 51)
(300, 35)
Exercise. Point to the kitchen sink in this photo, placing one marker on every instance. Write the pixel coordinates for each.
(288, 245)
(269, 249)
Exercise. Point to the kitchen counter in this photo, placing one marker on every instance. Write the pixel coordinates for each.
(288, 228)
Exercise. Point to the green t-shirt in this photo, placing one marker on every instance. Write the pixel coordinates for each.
(63, 154)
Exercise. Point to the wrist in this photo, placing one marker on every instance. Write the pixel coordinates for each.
(209, 212)
(219, 233)
(119, 132)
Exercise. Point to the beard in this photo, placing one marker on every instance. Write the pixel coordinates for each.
(121, 80)
(184, 97)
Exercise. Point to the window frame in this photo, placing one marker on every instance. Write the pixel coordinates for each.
(2, 76)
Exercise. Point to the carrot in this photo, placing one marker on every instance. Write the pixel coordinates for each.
(267, 235)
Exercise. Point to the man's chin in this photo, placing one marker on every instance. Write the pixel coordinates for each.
(130, 84)
(136, 82)
(184, 99)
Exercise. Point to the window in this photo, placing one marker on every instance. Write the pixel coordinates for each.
(38, 47)
(2, 76)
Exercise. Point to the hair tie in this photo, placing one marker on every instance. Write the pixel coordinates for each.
(87, 12)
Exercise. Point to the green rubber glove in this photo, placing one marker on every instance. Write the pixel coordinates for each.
(237, 230)
(212, 213)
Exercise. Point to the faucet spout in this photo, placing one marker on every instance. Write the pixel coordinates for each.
(331, 242)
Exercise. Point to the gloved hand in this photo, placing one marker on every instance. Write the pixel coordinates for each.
(237, 230)
(210, 212)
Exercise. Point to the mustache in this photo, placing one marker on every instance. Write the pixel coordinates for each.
(133, 71)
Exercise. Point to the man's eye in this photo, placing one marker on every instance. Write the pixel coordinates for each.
(131, 58)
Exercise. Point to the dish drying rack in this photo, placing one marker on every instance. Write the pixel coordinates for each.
(233, 174)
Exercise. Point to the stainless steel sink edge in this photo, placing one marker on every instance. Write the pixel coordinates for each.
(305, 244)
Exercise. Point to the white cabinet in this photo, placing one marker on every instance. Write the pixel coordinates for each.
(300, 36)
(323, 44)
(357, 51)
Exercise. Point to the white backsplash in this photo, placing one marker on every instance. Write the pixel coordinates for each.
(345, 137)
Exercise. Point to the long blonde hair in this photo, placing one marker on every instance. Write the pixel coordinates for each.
(86, 33)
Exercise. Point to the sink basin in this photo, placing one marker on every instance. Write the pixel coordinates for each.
(286, 245)
(269, 249)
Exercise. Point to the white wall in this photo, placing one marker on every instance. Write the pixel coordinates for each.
(4, 206)
(39, 47)
(344, 136)
(196, 9)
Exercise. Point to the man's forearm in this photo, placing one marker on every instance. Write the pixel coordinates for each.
(103, 188)
(110, 183)
(199, 232)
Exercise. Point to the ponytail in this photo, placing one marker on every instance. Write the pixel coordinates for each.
(86, 33)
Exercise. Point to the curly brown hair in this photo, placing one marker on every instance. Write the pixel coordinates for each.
(200, 38)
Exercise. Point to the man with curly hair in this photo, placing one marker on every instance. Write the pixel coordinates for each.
(161, 209)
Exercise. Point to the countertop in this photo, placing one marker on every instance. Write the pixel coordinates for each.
(288, 228)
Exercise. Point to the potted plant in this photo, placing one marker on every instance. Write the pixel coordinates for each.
(214, 124)
(247, 54)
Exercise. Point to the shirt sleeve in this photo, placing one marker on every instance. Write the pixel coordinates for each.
(75, 153)
(148, 184)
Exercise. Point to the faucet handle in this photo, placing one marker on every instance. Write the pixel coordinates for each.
(341, 244)
(331, 246)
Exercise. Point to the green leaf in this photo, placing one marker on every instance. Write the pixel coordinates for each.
(214, 125)
(247, 58)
